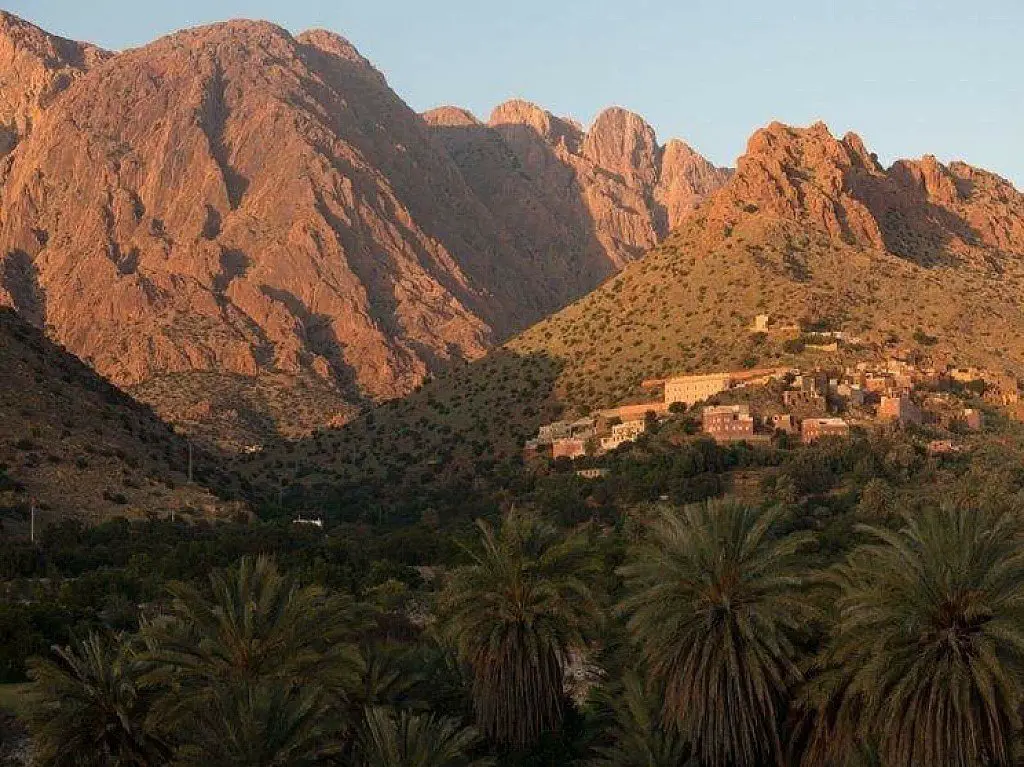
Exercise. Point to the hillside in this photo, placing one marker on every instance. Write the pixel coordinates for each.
(235, 201)
(813, 232)
(80, 447)
(920, 258)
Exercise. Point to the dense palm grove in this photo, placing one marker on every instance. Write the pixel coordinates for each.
(860, 605)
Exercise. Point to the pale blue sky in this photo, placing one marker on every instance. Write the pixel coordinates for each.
(911, 76)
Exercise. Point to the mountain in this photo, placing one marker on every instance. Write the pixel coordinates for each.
(35, 67)
(253, 233)
(78, 446)
(920, 258)
(812, 231)
(603, 196)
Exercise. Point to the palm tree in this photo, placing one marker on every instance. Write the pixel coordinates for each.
(262, 724)
(257, 624)
(89, 708)
(926, 658)
(404, 739)
(257, 643)
(715, 603)
(515, 613)
(637, 735)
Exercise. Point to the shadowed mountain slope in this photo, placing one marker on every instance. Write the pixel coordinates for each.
(78, 446)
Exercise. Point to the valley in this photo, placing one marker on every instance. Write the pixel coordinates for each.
(337, 432)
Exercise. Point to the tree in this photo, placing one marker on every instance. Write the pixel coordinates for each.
(256, 645)
(925, 660)
(515, 614)
(260, 724)
(715, 603)
(404, 739)
(88, 707)
(637, 735)
(257, 624)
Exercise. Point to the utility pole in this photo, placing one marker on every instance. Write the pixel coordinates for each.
(32, 523)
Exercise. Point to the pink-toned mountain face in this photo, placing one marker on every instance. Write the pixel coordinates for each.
(921, 210)
(35, 67)
(231, 199)
(612, 192)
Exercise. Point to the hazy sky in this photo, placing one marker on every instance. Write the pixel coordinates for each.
(911, 76)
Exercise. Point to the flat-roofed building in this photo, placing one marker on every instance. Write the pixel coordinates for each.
(900, 408)
(569, 447)
(627, 431)
(696, 388)
(636, 411)
(535, 449)
(728, 422)
(942, 447)
(584, 428)
(974, 419)
(783, 422)
(549, 432)
(812, 429)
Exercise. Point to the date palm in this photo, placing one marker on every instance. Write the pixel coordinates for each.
(926, 658)
(715, 602)
(262, 724)
(255, 640)
(404, 739)
(257, 624)
(637, 735)
(89, 708)
(515, 613)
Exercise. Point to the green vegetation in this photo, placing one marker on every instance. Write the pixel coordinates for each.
(714, 606)
(537, 617)
(13, 698)
(515, 614)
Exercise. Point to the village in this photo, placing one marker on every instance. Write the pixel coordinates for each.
(807, 405)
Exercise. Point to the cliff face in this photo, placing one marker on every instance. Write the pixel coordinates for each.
(614, 181)
(237, 200)
(35, 67)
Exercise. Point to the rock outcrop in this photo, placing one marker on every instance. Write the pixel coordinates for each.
(233, 199)
(35, 67)
(613, 190)
(918, 209)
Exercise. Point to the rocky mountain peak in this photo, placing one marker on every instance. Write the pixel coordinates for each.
(515, 116)
(798, 174)
(921, 209)
(622, 142)
(35, 67)
(929, 177)
(231, 199)
(450, 116)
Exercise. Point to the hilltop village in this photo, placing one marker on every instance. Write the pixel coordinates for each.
(805, 404)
